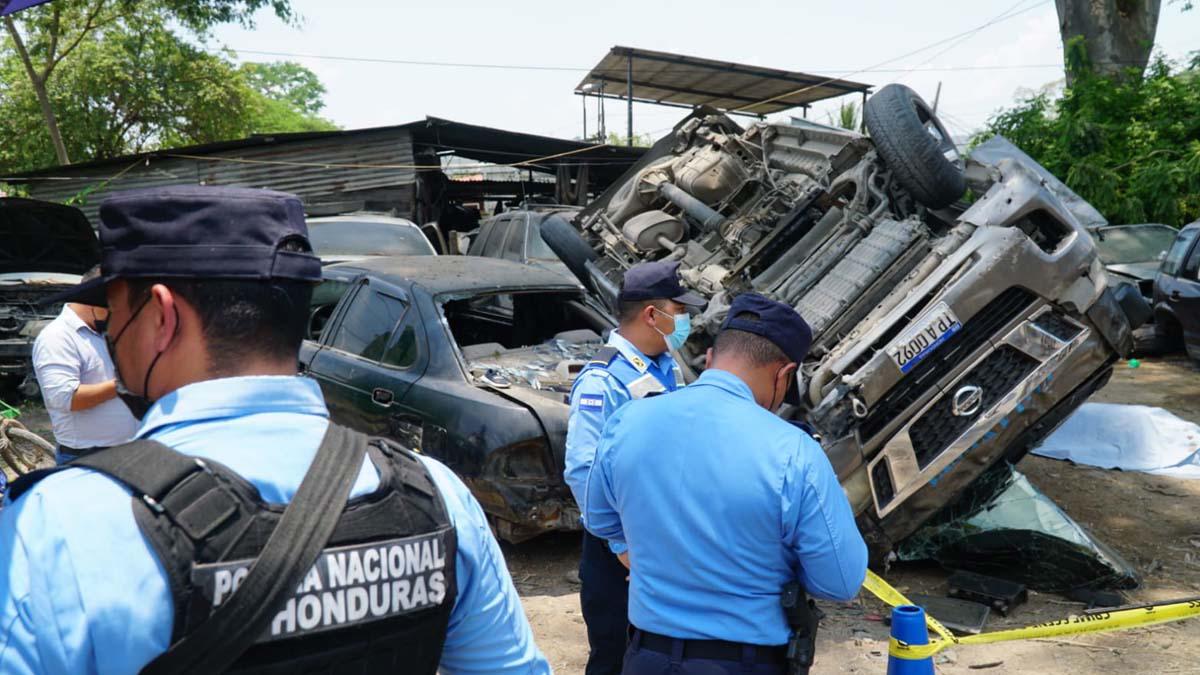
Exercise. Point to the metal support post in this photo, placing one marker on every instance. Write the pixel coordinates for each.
(629, 94)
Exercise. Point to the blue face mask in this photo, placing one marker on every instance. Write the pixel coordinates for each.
(683, 328)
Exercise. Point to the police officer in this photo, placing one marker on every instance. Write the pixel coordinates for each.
(208, 291)
(722, 503)
(653, 314)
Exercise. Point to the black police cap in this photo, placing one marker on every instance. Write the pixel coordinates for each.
(199, 232)
(775, 321)
(657, 281)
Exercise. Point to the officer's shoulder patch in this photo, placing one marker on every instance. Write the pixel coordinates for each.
(591, 402)
(604, 355)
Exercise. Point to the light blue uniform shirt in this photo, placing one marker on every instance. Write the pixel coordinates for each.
(82, 592)
(596, 395)
(721, 503)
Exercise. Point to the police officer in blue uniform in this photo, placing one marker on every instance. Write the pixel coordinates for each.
(260, 537)
(722, 503)
(636, 363)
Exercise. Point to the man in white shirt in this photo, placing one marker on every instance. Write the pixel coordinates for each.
(78, 382)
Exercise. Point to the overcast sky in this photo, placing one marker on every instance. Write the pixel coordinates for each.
(980, 71)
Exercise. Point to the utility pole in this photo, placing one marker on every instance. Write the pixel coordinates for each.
(937, 96)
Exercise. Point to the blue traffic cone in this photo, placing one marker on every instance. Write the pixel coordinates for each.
(908, 626)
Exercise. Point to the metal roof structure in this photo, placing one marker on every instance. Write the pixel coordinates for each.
(649, 76)
(329, 166)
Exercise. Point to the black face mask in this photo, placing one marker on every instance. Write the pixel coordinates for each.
(138, 404)
(99, 325)
(775, 389)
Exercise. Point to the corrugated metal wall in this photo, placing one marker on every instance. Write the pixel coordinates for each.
(316, 183)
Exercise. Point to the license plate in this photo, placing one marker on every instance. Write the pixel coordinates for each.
(919, 341)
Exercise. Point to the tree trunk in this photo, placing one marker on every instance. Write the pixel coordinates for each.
(39, 88)
(1118, 34)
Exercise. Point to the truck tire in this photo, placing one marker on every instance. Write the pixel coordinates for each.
(569, 246)
(915, 146)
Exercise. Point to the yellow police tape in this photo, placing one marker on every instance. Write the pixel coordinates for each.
(1119, 619)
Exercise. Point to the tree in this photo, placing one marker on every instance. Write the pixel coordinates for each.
(1109, 37)
(1129, 146)
(286, 97)
(46, 37)
(287, 82)
(137, 85)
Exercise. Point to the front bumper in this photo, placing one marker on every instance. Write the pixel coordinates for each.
(521, 509)
(1037, 364)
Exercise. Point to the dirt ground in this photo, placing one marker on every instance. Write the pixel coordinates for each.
(1150, 520)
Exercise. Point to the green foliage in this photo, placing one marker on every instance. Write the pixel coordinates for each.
(136, 84)
(639, 140)
(847, 116)
(126, 76)
(284, 97)
(287, 82)
(1131, 147)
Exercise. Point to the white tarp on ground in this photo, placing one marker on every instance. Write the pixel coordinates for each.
(1127, 437)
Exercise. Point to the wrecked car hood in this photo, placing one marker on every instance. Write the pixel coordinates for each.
(1143, 271)
(540, 378)
(42, 236)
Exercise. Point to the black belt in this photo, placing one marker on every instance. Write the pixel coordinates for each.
(77, 452)
(716, 650)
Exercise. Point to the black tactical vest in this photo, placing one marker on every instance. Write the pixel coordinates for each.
(377, 600)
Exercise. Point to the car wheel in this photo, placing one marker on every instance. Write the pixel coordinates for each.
(1167, 336)
(569, 246)
(916, 147)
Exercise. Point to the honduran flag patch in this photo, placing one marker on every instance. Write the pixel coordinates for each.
(593, 403)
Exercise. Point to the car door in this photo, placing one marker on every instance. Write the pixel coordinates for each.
(1169, 289)
(370, 358)
(1184, 297)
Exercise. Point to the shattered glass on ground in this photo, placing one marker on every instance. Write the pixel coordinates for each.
(1002, 526)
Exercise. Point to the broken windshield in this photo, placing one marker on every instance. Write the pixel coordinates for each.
(1005, 527)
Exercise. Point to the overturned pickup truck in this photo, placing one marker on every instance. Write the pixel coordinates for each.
(948, 336)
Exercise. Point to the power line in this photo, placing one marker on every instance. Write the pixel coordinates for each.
(997, 19)
(503, 66)
(409, 62)
(1008, 14)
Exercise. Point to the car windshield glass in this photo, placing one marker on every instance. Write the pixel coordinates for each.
(357, 237)
(538, 248)
(1125, 245)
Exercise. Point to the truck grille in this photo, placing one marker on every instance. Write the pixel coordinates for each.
(974, 334)
(1054, 324)
(996, 375)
